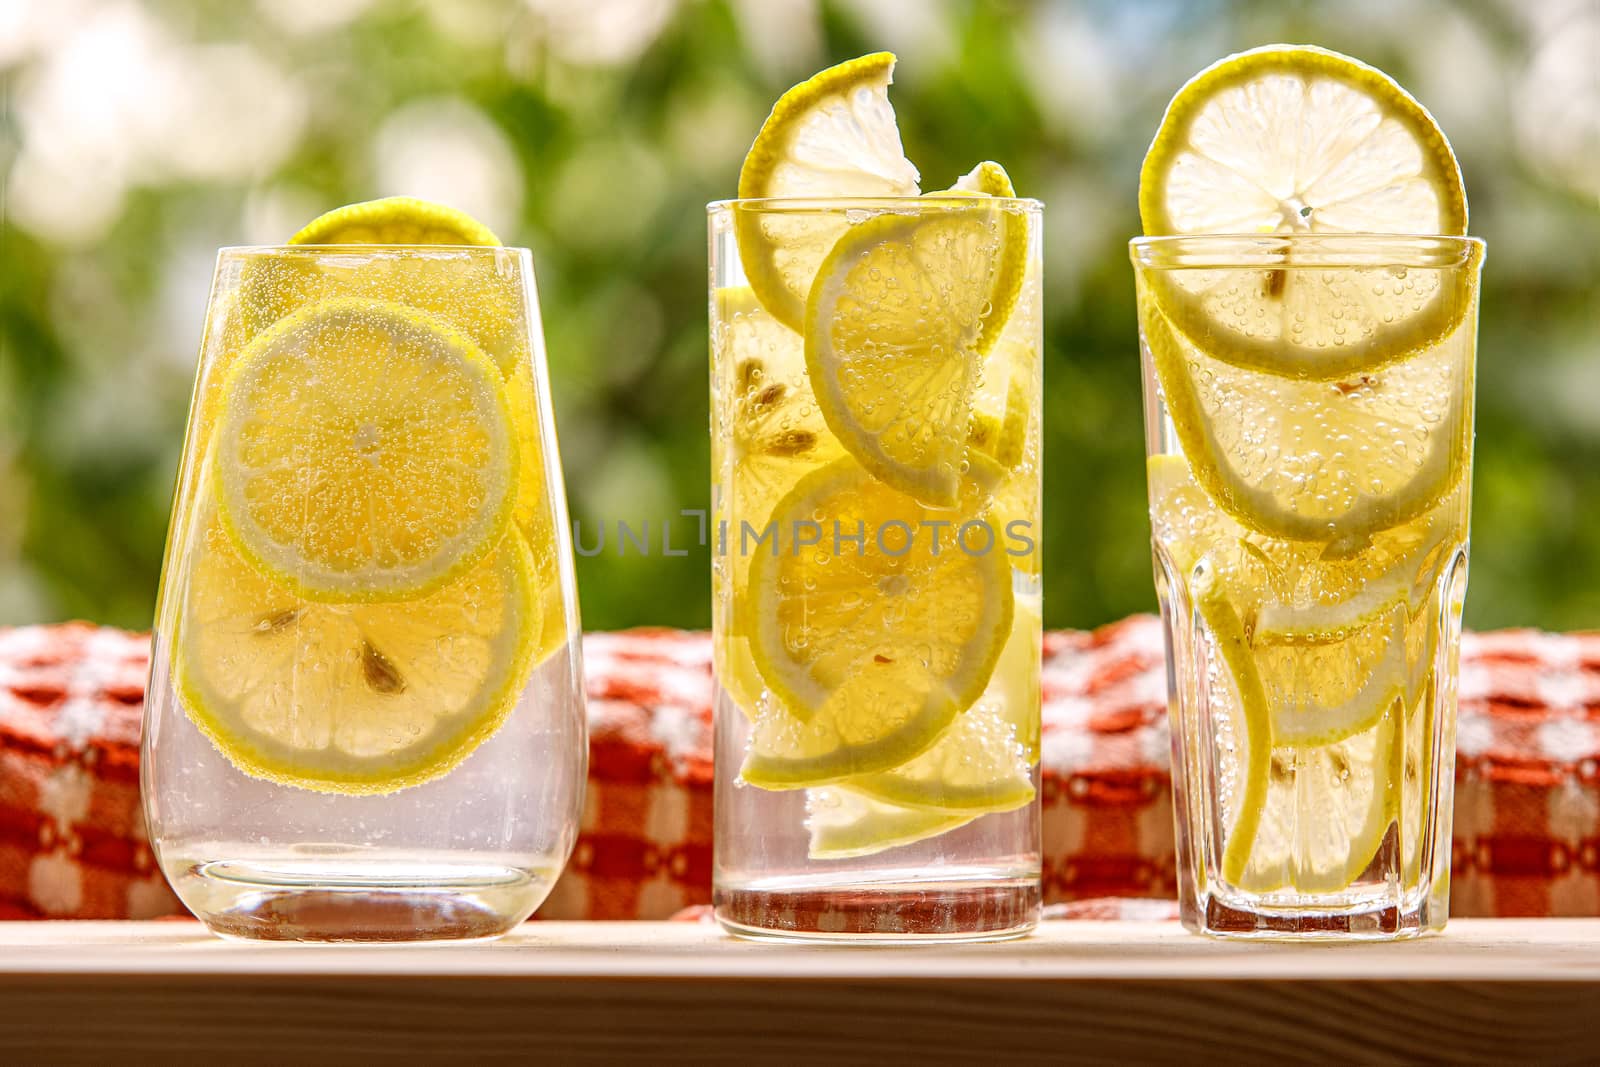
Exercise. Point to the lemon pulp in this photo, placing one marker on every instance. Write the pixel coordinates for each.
(365, 452)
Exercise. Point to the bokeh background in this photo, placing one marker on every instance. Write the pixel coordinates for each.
(137, 136)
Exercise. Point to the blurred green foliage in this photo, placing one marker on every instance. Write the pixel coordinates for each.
(596, 132)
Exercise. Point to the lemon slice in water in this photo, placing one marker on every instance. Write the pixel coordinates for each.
(845, 824)
(1310, 816)
(1329, 462)
(870, 654)
(892, 328)
(352, 698)
(365, 452)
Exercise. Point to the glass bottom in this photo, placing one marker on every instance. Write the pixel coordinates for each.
(348, 900)
(902, 906)
(1374, 921)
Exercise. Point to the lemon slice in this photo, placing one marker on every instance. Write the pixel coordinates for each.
(978, 765)
(767, 429)
(395, 220)
(538, 513)
(1005, 428)
(869, 655)
(1335, 593)
(1250, 725)
(1334, 641)
(1327, 462)
(833, 135)
(425, 266)
(1325, 813)
(1004, 437)
(990, 179)
(1190, 527)
(1307, 816)
(365, 452)
(892, 326)
(1327, 691)
(983, 761)
(1300, 592)
(1304, 141)
(363, 698)
(766, 435)
(845, 824)
(736, 671)
(1415, 773)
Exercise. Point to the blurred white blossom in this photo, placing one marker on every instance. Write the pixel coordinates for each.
(601, 32)
(921, 34)
(445, 149)
(1072, 68)
(120, 102)
(782, 36)
(1558, 101)
(312, 16)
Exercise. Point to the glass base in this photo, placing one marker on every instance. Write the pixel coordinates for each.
(358, 902)
(1378, 921)
(907, 910)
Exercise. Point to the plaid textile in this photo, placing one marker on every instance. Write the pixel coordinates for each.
(72, 841)
(1527, 797)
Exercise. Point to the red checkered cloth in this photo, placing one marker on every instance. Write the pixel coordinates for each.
(72, 842)
(1527, 797)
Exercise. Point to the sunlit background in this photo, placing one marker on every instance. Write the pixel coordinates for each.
(137, 137)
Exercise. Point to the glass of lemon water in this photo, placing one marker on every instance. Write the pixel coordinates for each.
(365, 715)
(1307, 305)
(875, 500)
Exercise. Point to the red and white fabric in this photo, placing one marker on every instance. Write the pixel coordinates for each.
(1527, 829)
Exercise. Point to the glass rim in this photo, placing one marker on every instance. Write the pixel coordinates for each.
(359, 249)
(1221, 251)
(820, 204)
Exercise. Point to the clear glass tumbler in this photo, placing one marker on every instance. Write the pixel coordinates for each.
(875, 498)
(1309, 413)
(365, 716)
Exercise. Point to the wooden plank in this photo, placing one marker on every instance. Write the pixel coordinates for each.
(1486, 991)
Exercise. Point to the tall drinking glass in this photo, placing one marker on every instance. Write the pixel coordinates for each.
(1309, 413)
(365, 716)
(876, 576)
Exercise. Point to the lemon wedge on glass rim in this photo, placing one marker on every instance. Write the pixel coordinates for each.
(1300, 140)
(427, 260)
(826, 275)
(395, 220)
(833, 135)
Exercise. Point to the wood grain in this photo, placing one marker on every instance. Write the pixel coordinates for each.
(1487, 991)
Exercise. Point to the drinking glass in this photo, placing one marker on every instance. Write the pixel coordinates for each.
(365, 716)
(1309, 414)
(875, 501)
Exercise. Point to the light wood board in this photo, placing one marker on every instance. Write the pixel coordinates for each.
(1486, 991)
